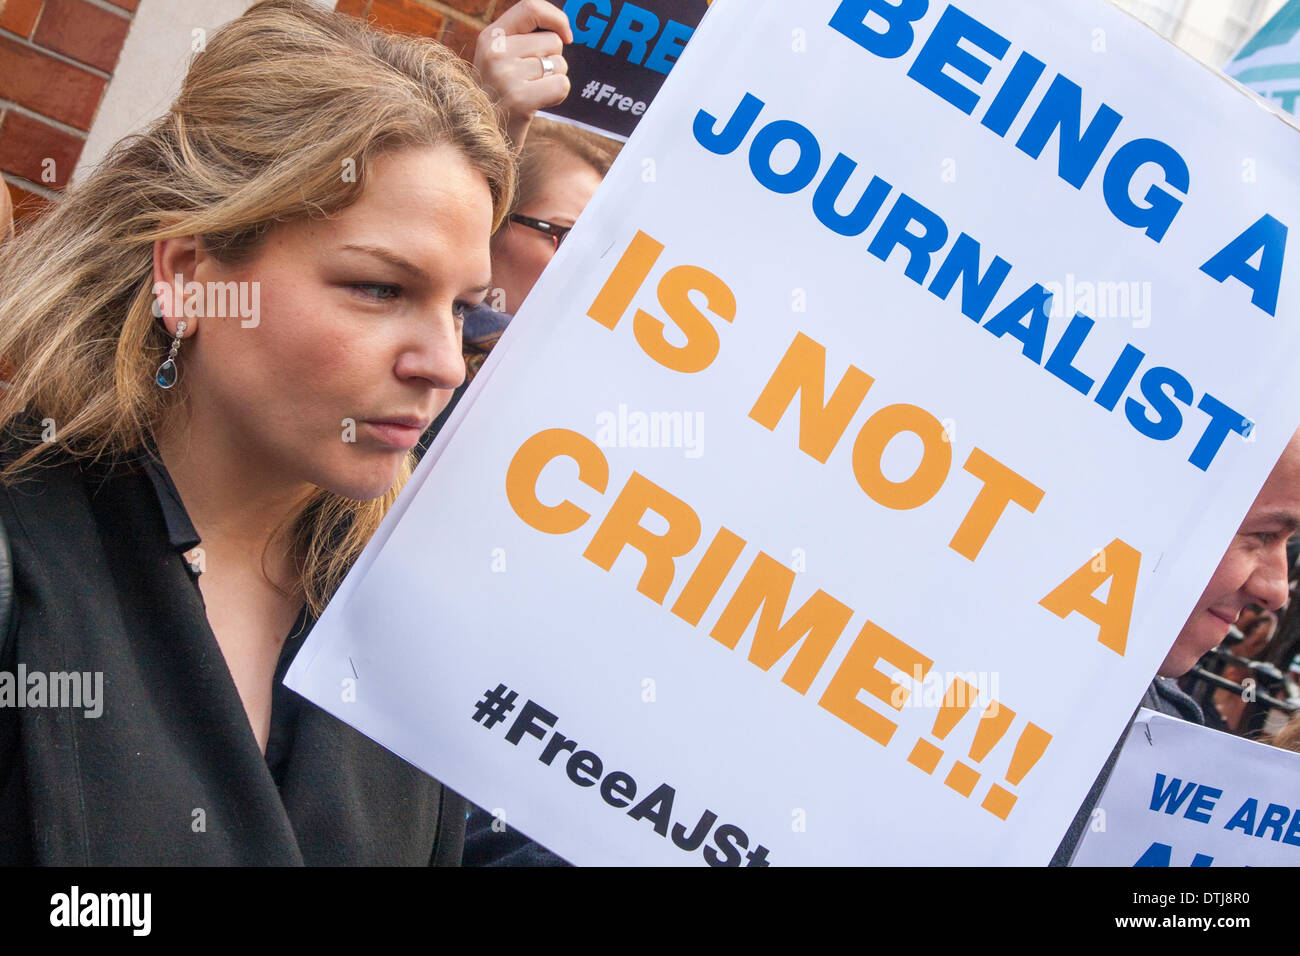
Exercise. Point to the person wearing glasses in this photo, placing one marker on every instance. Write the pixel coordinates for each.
(560, 169)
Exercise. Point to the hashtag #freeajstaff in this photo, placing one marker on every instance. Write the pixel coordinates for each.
(730, 844)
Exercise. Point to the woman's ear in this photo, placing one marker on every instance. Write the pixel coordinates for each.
(173, 266)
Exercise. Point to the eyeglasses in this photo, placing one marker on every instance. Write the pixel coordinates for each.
(556, 232)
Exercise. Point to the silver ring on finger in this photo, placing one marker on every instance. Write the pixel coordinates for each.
(548, 68)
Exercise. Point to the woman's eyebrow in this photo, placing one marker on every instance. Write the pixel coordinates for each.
(397, 262)
(387, 255)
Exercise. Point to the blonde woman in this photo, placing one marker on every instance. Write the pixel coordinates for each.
(225, 342)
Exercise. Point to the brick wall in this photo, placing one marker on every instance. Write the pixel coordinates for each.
(455, 22)
(56, 58)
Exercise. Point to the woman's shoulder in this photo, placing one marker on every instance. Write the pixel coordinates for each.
(30, 467)
(32, 450)
(47, 489)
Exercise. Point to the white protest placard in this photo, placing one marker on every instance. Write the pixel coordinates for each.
(1185, 795)
(794, 520)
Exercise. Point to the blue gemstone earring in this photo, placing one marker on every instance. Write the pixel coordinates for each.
(167, 371)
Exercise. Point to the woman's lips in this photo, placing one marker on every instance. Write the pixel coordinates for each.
(395, 434)
(1222, 616)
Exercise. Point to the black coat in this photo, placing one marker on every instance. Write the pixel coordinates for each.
(171, 773)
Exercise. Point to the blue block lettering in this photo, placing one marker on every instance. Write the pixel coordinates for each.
(850, 19)
(942, 49)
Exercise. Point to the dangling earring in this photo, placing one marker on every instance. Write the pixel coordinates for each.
(167, 371)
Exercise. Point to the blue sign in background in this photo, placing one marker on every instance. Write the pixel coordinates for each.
(620, 55)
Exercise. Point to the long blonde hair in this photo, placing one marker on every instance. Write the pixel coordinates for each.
(282, 104)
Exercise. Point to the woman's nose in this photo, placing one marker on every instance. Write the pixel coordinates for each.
(436, 355)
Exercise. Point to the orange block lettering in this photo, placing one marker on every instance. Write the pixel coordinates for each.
(1117, 563)
(802, 372)
(622, 528)
(936, 457)
(857, 672)
(818, 623)
(526, 467)
(1001, 487)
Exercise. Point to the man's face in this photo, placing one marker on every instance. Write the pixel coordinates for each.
(1254, 570)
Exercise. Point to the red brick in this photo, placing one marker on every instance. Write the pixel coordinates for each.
(460, 37)
(498, 8)
(126, 4)
(355, 8)
(475, 8)
(28, 206)
(48, 86)
(84, 32)
(26, 143)
(406, 16)
(19, 16)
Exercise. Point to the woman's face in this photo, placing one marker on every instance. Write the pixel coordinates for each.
(355, 347)
(519, 253)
